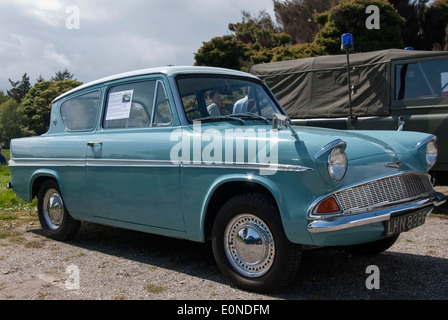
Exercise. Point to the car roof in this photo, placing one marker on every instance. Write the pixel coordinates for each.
(169, 71)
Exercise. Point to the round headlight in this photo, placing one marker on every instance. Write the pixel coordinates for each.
(431, 153)
(337, 164)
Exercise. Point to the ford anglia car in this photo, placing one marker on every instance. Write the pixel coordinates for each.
(204, 154)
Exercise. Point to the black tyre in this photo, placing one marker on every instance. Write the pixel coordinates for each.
(373, 247)
(250, 246)
(56, 221)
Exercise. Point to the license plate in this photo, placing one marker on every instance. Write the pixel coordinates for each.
(404, 223)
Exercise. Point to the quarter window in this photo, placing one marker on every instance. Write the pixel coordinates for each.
(137, 105)
(80, 113)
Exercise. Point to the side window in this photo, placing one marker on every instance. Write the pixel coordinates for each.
(79, 113)
(137, 105)
(421, 80)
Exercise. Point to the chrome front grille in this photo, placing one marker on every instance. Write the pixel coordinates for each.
(384, 191)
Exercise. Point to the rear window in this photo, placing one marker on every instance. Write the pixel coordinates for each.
(80, 113)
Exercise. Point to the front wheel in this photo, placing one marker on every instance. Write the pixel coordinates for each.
(56, 221)
(250, 246)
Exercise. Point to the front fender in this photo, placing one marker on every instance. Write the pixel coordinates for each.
(283, 187)
(195, 224)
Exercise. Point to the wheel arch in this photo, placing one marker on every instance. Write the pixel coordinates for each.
(39, 178)
(226, 190)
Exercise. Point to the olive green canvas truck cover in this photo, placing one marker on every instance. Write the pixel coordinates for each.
(389, 88)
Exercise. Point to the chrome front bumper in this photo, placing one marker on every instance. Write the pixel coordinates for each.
(349, 221)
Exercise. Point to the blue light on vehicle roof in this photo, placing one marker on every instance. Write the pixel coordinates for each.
(346, 41)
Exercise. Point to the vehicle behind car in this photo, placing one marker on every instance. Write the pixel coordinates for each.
(390, 90)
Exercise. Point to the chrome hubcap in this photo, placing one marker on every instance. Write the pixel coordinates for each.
(249, 245)
(53, 209)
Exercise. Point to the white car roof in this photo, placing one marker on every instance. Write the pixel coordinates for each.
(169, 70)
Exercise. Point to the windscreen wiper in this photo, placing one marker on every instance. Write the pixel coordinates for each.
(220, 118)
(251, 115)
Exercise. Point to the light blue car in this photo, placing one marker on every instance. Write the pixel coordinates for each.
(204, 154)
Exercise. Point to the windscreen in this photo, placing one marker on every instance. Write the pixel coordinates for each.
(208, 97)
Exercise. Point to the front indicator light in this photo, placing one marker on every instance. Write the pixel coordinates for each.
(328, 206)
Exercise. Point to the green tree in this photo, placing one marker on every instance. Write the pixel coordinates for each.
(19, 88)
(226, 52)
(297, 51)
(37, 103)
(3, 98)
(258, 29)
(11, 121)
(40, 78)
(349, 16)
(435, 26)
(253, 41)
(296, 17)
(62, 75)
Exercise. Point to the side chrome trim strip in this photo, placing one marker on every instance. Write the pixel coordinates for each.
(92, 162)
(48, 162)
(249, 166)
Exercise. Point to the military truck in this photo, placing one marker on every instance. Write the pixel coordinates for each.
(389, 90)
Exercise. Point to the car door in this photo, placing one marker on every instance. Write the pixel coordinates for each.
(421, 100)
(65, 147)
(130, 176)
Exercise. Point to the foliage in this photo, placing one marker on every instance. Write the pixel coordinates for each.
(9, 201)
(60, 76)
(259, 30)
(297, 51)
(226, 52)
(349, 17)
(435, 26)
(11, 121)
(306, 28)
(37, 103)
(256, 40)
(19, 88)
(25, 110)
(296, 17)
(253, 41)
(3, 98)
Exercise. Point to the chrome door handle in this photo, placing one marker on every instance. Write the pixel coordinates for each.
(93, 143)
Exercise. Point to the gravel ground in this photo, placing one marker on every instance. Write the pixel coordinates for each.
(105, 263)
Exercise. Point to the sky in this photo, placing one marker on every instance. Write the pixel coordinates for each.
(97, 38)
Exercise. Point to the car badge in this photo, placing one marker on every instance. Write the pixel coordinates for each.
(397, 164)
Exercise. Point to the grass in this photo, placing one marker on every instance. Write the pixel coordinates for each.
(13, 210)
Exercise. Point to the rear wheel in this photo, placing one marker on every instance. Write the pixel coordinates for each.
(56, 221)
(250, 246)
